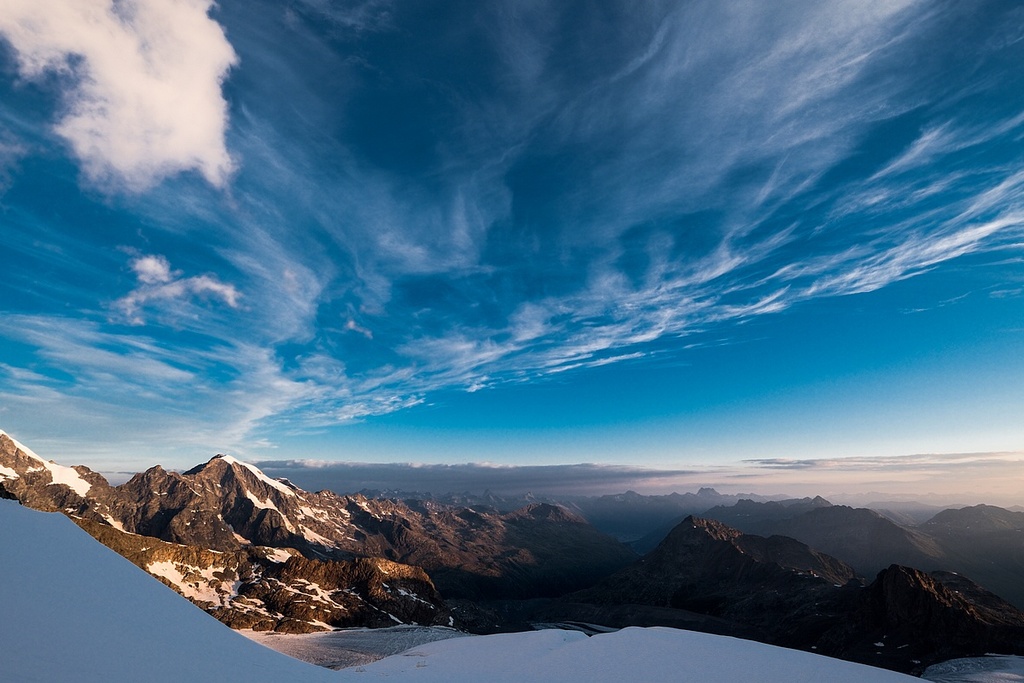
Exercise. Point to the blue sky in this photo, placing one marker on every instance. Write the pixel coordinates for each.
(684, 236)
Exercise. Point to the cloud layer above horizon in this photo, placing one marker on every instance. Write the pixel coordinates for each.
(229, 223)
(944, 479)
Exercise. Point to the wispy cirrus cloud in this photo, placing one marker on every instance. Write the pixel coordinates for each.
(92, 380)
(429, 276)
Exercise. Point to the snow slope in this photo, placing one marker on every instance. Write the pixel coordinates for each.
(632, 654)
(74, 611)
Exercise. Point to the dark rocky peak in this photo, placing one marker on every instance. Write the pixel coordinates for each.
(545, 512)
(698, 529)
(707, 546)
(943, 615)
(905, 595)
(155, 480)
(708, 568)
(975, 519)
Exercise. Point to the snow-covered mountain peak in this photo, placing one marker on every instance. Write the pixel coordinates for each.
(14, 467)
(256, 472)
(20, 446)
(243, 471)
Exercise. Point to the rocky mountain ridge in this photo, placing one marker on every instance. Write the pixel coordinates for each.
(262, 553)
(227, 505)
(981, 541)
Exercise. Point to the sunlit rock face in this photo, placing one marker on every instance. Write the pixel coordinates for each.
(278, 589)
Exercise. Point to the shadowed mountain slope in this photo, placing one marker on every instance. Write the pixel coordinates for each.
(784, 592)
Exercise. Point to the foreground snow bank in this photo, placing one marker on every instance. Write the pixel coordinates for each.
(74, 611)
(351, 647)
(632, 654)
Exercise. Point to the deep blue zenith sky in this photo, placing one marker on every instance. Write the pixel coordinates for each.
(750, 240)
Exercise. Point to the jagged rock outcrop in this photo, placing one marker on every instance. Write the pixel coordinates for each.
(772, 584)
(907, 619)
(263, 588)
(781, 591)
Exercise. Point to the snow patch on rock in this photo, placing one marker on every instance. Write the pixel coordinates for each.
(256, 472)
(59, 474)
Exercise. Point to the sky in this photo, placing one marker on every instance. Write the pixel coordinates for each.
(765, 244)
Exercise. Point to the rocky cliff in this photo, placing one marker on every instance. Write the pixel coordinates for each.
(263, 588)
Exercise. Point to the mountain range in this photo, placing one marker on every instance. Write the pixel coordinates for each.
(225, 516)
(781, 591)
(983, 542)
(261, 553)
(98, 619)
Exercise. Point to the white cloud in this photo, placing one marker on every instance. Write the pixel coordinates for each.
(144, 83)
(152, 270)
(158, 283)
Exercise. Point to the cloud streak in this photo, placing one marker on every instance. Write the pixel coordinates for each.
(965, 478)
(475, 478)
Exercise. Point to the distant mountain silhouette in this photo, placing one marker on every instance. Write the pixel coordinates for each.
(983, 542)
